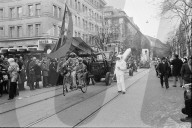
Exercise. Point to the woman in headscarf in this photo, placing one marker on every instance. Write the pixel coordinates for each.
(120, 68)
(13, 71)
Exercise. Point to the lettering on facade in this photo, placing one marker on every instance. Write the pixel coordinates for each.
(47, 41)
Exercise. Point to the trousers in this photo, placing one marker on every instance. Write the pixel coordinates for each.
(45, 81)
(73, 75)
(120, 82)
(164, 78)
(13, 89)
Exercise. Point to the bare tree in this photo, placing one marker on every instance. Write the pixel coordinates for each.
(182, 10)
(106, 36)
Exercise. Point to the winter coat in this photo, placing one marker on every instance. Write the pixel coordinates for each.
(177, 64)
(186, 73)
(45, 68)
(13, 70)
(163, 68)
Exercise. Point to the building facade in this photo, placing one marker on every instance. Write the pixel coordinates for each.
(117, 24)
(34, 25)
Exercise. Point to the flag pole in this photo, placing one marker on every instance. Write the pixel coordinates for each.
(61, 36)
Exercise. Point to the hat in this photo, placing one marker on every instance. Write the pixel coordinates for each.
(10, 60)
(163, 58)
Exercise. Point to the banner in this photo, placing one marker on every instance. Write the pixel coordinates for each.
(65, 40)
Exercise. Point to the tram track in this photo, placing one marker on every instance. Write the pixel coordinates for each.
(91, 114)
(25, 97)
(94, 112)
(38, 101)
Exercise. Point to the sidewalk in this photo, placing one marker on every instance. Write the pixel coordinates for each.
(162, 107)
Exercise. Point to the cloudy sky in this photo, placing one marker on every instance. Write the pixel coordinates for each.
(146, 14)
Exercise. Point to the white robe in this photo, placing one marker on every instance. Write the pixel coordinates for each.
(120, 75)
(122, 65)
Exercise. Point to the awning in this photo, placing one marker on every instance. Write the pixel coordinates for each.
(32, 48)
(12, 49)
(22, 49)
(3, 50)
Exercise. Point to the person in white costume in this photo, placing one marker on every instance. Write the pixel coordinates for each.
(120, 69)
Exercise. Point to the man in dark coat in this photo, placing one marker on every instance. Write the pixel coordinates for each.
(37, 70)
(53, 75)
(177, 64)
(163, 70)
(32, 73)
(186, 73)
(45, 71)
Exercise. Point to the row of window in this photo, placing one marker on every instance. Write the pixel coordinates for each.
(86, 37)
(95, 3)
(57, 11)
(85, 24)
(17, 12)
(80, 7)
(17, 31)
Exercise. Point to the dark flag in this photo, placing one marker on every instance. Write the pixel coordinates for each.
(64, 43)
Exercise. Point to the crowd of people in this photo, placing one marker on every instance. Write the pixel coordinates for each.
(15, 72)
(181, 70)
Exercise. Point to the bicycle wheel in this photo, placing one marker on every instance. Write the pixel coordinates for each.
(84, 86)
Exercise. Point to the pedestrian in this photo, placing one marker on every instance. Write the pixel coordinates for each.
(53, 75)
(1, 79)
(120, 69)
(45, 71)
(37, 70)
(13, 70)
(163, 70)
(21, 74)
(27, 70)
(177, 64)
(186, 73)
(22, 78)
(32, 73)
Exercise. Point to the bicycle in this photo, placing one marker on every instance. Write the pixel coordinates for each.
(68, 80)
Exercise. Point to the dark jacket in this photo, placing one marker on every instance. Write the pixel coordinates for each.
(163, 68)
(186, 73)
(177, 64)
(37, 69)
